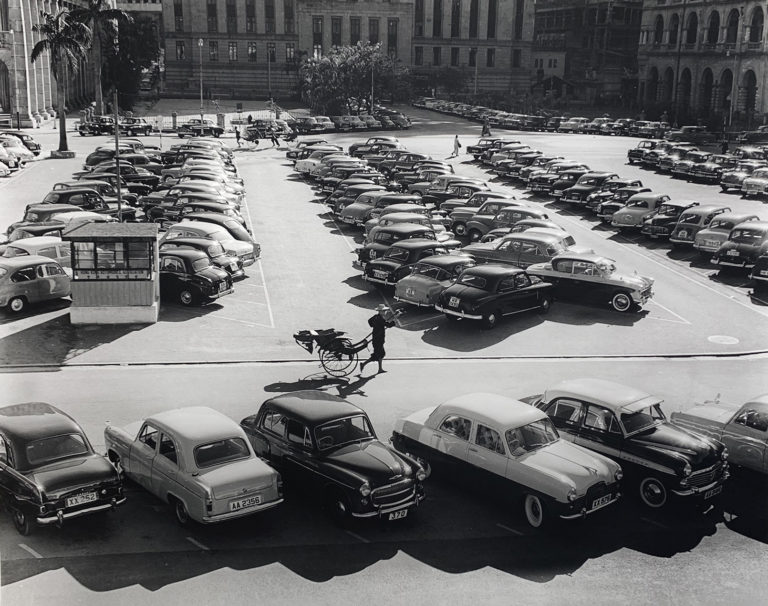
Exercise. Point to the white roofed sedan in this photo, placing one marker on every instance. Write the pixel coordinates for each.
(518, 449)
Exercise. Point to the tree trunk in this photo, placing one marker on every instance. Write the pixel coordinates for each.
(61, 99)
(97, 71)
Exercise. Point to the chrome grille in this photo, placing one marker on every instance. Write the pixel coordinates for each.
(392, 493)
(705, 477)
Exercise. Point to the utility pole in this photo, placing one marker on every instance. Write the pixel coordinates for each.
(117, 160)
(200, 45)
(270, 52)
(371, 87)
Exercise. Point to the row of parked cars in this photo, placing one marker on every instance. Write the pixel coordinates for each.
(17, 148)
(564, 454)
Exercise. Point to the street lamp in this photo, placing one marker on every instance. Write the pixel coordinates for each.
(200, 44)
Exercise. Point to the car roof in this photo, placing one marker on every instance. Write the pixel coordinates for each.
(495, 270)
(36, 241)
(73, 190)
(55, 207)
(416, 243)
(24, 260)
(760, 225)
(735, 217)
(314, 407)
(203, 226)
(490, 408)
(404, 228)
(586, 257)
(32, 420)
(197, 423)
(703, 209)
(551, 235)
(611, 395)
(203, 196)
(648, 195)
(202, 242)
(446, 261)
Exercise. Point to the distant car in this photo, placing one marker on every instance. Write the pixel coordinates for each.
(590, 278)
(49, 472)
(328, 446)
(199, 128)
(29, 279)
(189, 278)
(755, 184)
(635, 154)
(712, 170)
(710, 238)
(514, 451)
(692, 134)
(607, 191)
(198, 461)
(661, 461)
(573, 125)
(429, 277)
(745, 243)
(587, 184)
(100, 125)
(734, 178)
(507, 216)
(489, 292)
(694, 219)
(135, 126)
(26, 139)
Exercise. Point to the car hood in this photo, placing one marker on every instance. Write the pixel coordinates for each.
(756, 180)
(214, 274)
(709, 411)
(371, 460)
(672, 442)
(70, 474)
(571, 463)
(238, 247)
(638, 282)
(480, 247)
(580, 189)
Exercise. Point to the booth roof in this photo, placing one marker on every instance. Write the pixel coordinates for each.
(112, 231)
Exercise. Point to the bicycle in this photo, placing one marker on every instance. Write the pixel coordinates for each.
(338, 355)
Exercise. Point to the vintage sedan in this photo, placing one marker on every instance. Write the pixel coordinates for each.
(607, 191)
(744, 245)
(462, 216)
(189, 278)
(519, 226)
(734, 179)
(29, 279)
(429, 277)
(198, 461)
(661, 461)
(755, 184)
(604, 209)
(476, 200)
(195, 127)
(219, 257)
(759, 273)
(481, 146)
(693, 220)
(711, 238)
(638, 208)
(591, 278)
(743, 429)
(535, 245)
(328, 446)
(513, 450)
(489, 292)
(480, 223)
(712, 170)
(386, 237)
(49, 471)
(663, 221)
(398, 260)
(246, 252)
(587, 184)
(684, 168)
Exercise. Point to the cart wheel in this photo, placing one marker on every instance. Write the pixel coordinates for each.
(336, 362)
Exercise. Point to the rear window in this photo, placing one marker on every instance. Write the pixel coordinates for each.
(220, 452)
(396, 254)
(473, 280)
(54, 448)
(13, 251)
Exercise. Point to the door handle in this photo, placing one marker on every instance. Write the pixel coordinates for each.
(472, 449)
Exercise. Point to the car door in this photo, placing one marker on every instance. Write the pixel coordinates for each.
(143, 454)
(587, 283)
(566, 414)
(746, 437)
(165, 466)
(508, 251)
(296, 453)
(26, 284)
(54, 281)
(486, 452)
(600, 431)
(172, 273)
(530, 252)
(13, 484)
(451, 439)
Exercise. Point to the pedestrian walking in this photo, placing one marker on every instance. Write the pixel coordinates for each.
(379, 324)
(486, 128)
(237, 136)
(273, 138)
(456, 146)
(724, 146)
(250, 119)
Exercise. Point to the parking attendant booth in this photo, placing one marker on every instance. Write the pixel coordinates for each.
(115, 277)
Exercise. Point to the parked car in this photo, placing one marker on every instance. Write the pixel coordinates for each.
(684, 168)
(198, 461)
(491, 291)
(554, 123)
(483, 144)
(429, 277)
(49, 472)
(399, 259)
(698, 135)
(362, 209)
(590, 278)
(483, 222)
(212, 231)
(663, 221)
(606, 210)
(573, 125)
(87, 198)
(638, 208)
(103, 187)
(28, 141)
(709, 239)
(44, 246)
(8, 162)
(587, 184)
(759, 273)
(650, 157)
(746, 242)
(189, 278)
(36, 214)
(607, 191)
(515, 451)
(595, 126)
(29, 279)
(694, 219)
(667, 161)
(99, 125)
(542, 182)
(14, 146)
(661, 461)
(328, 446)
(196, 127)
(386, 237)
(214, 250)
(755, 184)
(635, 154)
(734, 179)
(461, 216)
(712, 170)
(524, 248)
(133, 127)
(520, 226)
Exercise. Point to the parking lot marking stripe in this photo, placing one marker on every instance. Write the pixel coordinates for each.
(655, 523)
(512, 530)
(682, 319)
(266, 295)
(12, 327)
(198, 544)
(419, 321)
(357, 536)
(28, 549)
(343, 235)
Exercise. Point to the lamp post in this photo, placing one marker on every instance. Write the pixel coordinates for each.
(682, 31)
(200, 45)
(371, 87)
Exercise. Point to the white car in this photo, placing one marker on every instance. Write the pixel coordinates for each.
(517, 448)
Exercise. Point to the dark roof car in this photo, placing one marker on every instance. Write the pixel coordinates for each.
(189, 278)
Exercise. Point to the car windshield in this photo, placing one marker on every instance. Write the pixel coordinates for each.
(532, 436)
(473, 280)
(645, 418)
(215, 250)
(201, 264)
(760, 174)
(691, 219)
(638, 204)
(396, 254)
(428, 271)
(606, 268)
(340, 432)
(669, 209)
(588, 181)
(50, 449)
(747, 236)
(221, 451)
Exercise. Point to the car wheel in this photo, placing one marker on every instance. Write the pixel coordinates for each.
(187, 297)
(653, 493)
(474, 235)
(459, 229)
(723, 188)
(22, 522)
(534, 511)
(337, 507)
(180, 510)
(621, 301)
(491, 319)
(17, 304)
(546, 303)
(416, 192)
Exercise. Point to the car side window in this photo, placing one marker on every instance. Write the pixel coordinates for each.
(168, 448)
(456, 426)
(64, 251)
(4, 452)
(583, 268)
(507, 284)
(754, 419)
(489, 438)
(24, 275)
(274, 422)
(529, 248)
(53, 270)
(40, 271)
(172, 264)
(148, 436)
(566, 411)
(601, 419)
(298, 433)
(521, 281)
(565, 266)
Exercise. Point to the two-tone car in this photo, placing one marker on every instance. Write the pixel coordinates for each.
(536, 245)
(746, 242)
(460, 217)
(429, 277)
(512, 450)
(692, 220)
(215, 251)
(661, 461)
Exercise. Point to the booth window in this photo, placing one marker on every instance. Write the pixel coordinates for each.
(118, 260)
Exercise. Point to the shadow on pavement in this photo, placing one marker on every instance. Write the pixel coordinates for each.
(467, 335)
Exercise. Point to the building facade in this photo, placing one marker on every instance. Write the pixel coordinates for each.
(704, 60)
(252, 48)
(28, 89)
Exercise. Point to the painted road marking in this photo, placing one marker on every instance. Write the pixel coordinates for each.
(198, 544)
(512, 530)
(28, 549)
(357, 536)
(680, 320)
(266, 295)
(343, 235)
(12, 327)
(723, 340)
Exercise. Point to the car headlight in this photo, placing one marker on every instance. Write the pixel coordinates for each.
(687, 470)
(421, 475)
(618, 475)
(572, 496)
(724, 454)
(365, 489)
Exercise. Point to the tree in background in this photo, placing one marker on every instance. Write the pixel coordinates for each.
(66, 40)
(101, 18)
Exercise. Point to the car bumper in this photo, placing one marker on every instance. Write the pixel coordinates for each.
(761, 275)
(744, 264)
(374, 280)
(60, 516)
(415, 302)
(412, 500)
(231, 515)
(655, 231)
(615, 223)
(704, 492)
(584, 512)
(458, 313)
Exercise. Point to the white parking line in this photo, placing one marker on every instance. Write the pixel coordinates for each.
(343, 235)
(30, 550)
(198, 544)
(681, 320)
(357, 536)
(266, 295)
(512, 530)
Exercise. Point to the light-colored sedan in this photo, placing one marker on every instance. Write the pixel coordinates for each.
(517, 449)
(429, 278)
(198, 461)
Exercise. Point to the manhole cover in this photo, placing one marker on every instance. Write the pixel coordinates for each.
(723, 340)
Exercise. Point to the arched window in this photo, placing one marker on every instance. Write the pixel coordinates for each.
(732, 29)
(684, 94)
(749, 86)
(674, 28)
(667, 85)
(692, 30)
(652, 85)
(756, 27)
(705, 97)
(713, 31)
(726, 88)
(658, 30)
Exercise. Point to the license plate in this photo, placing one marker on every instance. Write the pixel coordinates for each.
(453, 302)
(380, 274)
(86, 497)
(713, 492)
(602, 501)
(348, 219)
(711, 243)
(682, 234)
(396, 515)
(245, 503)
(732, 253)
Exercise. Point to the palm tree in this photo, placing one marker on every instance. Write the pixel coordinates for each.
(66, 41)
(98, 16)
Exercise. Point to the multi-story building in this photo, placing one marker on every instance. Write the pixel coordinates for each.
(703, 60)
(230, 41)
(28, 88)
(588, 47)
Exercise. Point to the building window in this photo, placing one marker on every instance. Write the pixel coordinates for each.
(436, 55)
(392, 37)
(455, 18)
(178, 15)
(181, 54)
(317, 37)
(354, 30)
(490, 57)
(231, 17)
(213, 18)
(519, 12)
(232, 46)
(271, 52)
(373, 30)
(493, 6)
(473, 12)
(418, 55)
(419, 19)
(454, 56)
(437, 19)
(554, 62)
(213, 50)
(335, 31)
(289, 16)
(290, 52)
(251, 52)
(472, 57)
(516, 57)
(250, 16)
(269, 16)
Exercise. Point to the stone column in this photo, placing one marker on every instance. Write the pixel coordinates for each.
(35, 7)
(20, 80)
(31, 20)
(49, 85)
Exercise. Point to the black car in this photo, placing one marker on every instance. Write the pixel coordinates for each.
(230, 263)
(386, 237)
(744, 245)
(26, 139)
(607, 191)
(199, 128)
(489, 292)
(134, 127)
(87, 198)
(661, 461)
(399, 259)
(49, 471)
(168, 208)
(41, 214)
(187, 277)
(328, 447)
(137, 189)
(661, 224)
(566, 180)
(484, 143)
(100, 125)
(586, 185)
(759, 273)
(461, 216)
